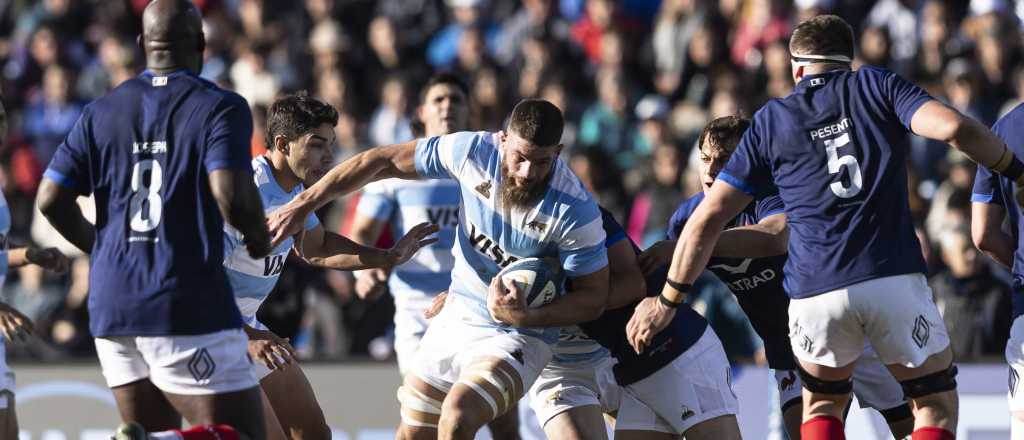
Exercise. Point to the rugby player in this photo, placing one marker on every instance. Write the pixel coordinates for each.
(166, 157)
(835, 150)
(444, 109)
(14, 325)
(300, 134)
(517, 200)
(754, 275)
(992, 202)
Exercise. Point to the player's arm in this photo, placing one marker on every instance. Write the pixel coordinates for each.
(987, 232)
(57, 203)
(767, 238)
(693, 250)
(377, 163)
(626, 283)
(49, 258)
(334, 251)
(937, 121)
(585, 302)
(240, 205)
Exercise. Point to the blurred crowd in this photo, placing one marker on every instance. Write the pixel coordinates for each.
(637, 80)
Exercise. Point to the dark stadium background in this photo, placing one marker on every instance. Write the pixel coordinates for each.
(637, 79)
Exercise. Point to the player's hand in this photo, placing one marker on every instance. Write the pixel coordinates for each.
(649, 319)
(287, 220)
(658, 255)
(258, 244)
(270, 349)
(15, 326)
(507, 303)
(412, 242)
(436, 305)
(371, 284)
(49, 258)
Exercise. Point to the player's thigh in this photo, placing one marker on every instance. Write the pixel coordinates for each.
(1015, 359)
(145, 404)
(208, 378)
(562, 387)
(273, 427)
(410, 326)
(902, 322)
(578, 423)
(876, 387)
(294, 402)
(693, 389)
(825, 329)
(500, 368)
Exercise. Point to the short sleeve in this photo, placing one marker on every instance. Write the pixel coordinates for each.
(69, 166)
(613, 231)
(376, 202)
(678, 220)
(768, 206)
(747, 169)
(441, 157)
(229, 136)
(312, 222)
(581, 248)
(987, 187)
(904, 96)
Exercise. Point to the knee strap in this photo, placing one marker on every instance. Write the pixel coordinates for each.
(815, 385)
(937, 382)
(418, 409)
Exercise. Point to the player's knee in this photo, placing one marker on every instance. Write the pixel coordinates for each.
(463, 413)
(419, 411)
(818, 386)
(932, 387)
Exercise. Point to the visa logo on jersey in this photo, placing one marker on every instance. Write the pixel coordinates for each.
(445, 217)
(481, 243)
(273, 264)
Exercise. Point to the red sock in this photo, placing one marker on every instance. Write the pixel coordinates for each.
(932, 433)
(209, 432)
(823, 428)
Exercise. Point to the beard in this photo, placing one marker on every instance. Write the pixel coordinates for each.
(517, 193)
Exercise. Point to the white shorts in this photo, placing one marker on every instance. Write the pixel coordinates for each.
(1015, 358)
(562, 387)
(873, 384)
(410, 326)
(452, 343)
(695, 387)
(895, 314)
(211, 363)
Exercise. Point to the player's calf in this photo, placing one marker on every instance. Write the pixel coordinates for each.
(931, 388)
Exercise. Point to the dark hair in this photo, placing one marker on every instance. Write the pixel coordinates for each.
(822, 35)
(292, 116)
(448, 78)
(723, 134)
(537, 121)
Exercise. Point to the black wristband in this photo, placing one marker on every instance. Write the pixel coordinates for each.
(1014, 170)
(681, 287)
(667, 302)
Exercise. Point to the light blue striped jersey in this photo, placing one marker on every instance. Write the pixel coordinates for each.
(565, 223)
(407, 203)
(574, 346)
(251, 279)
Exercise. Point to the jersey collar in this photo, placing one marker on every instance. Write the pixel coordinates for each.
(805, 81)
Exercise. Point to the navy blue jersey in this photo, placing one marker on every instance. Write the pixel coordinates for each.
(835, 149)
(990, 187)
(144, 152)
(609, 329)
(756, 282)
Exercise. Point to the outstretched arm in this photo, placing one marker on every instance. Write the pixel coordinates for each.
(240, 205)
(374, 164)
(334, 251)
(693, 250)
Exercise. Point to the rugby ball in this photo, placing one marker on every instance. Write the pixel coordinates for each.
(541, 281)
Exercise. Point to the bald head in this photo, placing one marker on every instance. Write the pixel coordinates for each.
(172, 35)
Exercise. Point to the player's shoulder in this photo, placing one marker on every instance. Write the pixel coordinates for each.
(1010, 123)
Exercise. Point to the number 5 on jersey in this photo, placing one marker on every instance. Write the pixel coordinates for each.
(146, 206)
(836, 164)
